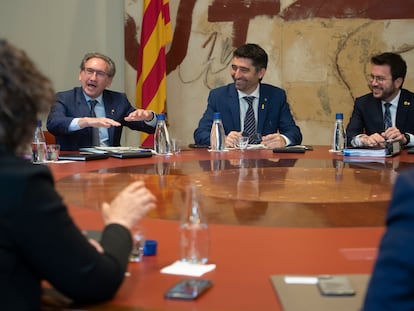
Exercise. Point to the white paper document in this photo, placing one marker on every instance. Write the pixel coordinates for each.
(188, 269)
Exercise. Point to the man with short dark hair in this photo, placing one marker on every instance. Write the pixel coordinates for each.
(271, 122)
(91, 115)
(387, 112)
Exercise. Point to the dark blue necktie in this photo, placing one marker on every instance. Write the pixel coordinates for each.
(387, 116)
(249, 120)
(95, 131)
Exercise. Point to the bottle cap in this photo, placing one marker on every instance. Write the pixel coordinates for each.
(339, 115)
(150, 248)
(217, 115)
(161, 116)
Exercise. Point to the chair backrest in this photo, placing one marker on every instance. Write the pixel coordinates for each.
(50, 139)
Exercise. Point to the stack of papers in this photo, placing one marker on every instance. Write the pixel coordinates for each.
(391, 149)
(365, 152)
(119, 152)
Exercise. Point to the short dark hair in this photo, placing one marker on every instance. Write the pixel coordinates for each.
(255, 53)
(397, 64)
(25, 94)
(107, 59)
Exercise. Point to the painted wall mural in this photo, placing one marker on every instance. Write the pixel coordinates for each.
(319, 52)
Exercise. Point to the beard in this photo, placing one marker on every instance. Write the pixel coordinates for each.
(384, 93)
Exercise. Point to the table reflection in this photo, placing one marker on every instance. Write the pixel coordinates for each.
(245, 191)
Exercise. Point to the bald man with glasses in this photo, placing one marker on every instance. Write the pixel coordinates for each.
(387, 112)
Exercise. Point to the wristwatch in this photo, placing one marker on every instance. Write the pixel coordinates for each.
(407, 137)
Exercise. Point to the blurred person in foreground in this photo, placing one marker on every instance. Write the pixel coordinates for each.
(38, 239)
(71, 120)
(391, 286)
(369, 125)
(273, 125)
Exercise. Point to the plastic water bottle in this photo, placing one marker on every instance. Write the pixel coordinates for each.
(39, 144)
(194, 232)
(217, 136)
(161, 137)
(339, 136)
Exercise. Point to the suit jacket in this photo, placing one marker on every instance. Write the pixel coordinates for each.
(392, 283)
(367, 116)
(72, 104)
(273, 115)
(39, 241)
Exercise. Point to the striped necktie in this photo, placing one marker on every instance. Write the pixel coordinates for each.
(95, 131)
(387, 116)
(249, 120)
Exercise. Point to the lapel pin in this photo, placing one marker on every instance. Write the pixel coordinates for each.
(112, 111)
(406, 103)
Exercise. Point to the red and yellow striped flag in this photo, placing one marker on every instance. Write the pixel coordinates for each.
(151, 91)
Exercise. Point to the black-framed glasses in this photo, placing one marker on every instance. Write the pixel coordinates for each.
(99, 73)
(379, 79)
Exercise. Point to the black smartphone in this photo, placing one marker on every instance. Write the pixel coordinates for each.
(188, 289)
(289, 150)
(335, 286)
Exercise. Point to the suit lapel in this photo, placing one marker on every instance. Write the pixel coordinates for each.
(234, 106)
(262, 110)
(404, 106)
(109, 106)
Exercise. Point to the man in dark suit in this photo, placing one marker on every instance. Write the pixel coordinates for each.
(74, 123)
(273, 121)
(391, 286)
(371, 125)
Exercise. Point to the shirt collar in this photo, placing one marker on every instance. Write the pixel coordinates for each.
(255, 93)
(394, 101)
(99, 98)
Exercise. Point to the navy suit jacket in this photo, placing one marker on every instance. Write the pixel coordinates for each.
(367, 116)
(72, 104)
(392, 283)
(273, 115)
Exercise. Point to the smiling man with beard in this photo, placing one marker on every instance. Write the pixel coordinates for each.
(271, 122)
(369, 125)
(91, 115)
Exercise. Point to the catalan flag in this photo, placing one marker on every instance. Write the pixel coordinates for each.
(151, 90)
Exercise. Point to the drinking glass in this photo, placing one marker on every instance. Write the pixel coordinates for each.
(138, 243)
(243, 142)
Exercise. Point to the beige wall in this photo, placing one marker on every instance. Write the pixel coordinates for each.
(320, 62)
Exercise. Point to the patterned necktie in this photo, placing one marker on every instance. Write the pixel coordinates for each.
(387, 116)
(95, 131)
(249, 120)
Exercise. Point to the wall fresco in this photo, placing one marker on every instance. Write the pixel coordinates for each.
(319, 52)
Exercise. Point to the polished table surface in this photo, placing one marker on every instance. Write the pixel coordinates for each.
(269, 213)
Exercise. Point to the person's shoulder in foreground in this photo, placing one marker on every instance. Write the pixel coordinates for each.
(38, 239)
(391, 286)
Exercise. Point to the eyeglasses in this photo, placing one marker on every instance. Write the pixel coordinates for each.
(379, 79)
(99, 73)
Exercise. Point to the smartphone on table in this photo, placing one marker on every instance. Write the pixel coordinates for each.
(188, 289)
(335, 286)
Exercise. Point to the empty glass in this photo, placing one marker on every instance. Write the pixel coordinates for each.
(243, 143)
(138, 243)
